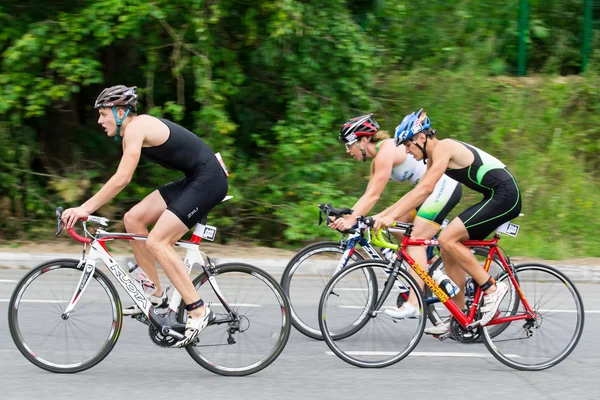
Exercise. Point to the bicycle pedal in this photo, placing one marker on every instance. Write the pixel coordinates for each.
(443, 337)
(141, 318)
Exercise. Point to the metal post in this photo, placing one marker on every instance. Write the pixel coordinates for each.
(587, 33)
(523, 35)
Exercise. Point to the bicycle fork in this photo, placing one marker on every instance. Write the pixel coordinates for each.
(88, 266)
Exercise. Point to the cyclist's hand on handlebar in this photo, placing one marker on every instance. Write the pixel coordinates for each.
(383, 222)
(72, 215)
(344, 223)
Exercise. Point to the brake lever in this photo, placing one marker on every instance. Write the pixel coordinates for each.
(323, 209)
(59, 212)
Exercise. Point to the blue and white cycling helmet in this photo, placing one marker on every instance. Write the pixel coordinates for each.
(411, 125)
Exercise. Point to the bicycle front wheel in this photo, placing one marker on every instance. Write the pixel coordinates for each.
(381, 340)
(251, 336)
(304, 279)
(540, 343)
(48, 337)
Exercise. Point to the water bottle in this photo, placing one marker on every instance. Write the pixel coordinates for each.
(136, 272)
(445, 283)
(388, 254)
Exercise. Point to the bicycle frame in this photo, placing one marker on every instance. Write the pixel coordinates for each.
(133, 288)
(466, 321)
(358, 237)
(353, 239)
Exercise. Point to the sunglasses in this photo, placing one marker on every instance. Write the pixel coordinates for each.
(349, 144)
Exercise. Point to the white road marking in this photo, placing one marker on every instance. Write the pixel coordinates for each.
(542, 310)
(419, 354)
(8, 281)
(362, 308)
(66, 301)
(36, 301)
(236, 305)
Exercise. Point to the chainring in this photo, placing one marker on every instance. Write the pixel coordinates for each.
(462, 335)
(159, 339)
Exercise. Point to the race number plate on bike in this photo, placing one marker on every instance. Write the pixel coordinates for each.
(210, 232)
(509, 229)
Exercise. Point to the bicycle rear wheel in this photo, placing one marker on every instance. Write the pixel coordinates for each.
(304, 279)
(254, 334)
(533, 345)
(52, 340)
(346, 300)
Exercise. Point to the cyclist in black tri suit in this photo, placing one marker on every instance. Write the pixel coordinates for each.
(174, 208)
(477, 170)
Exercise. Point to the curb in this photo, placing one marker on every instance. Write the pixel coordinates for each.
(274, 266)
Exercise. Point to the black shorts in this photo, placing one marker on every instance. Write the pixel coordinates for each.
(501, 206)
(191, 198)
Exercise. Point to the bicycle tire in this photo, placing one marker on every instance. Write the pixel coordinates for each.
(519, 333)
(212, 336)
(306, 321)
(373, 352)
(36, 355)
(432, 312)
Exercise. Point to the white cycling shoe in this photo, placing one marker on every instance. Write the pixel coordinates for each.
(491, 303)
(439, 329)
(406, 311)
(194, 326)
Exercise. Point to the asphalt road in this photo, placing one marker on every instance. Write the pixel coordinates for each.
(137, 368)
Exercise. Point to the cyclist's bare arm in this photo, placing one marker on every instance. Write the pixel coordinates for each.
(381, 169)
(132, 149)
(436, 167)
(132, 145)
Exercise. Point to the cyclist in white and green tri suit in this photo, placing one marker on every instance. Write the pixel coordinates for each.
(363, 141)
(477, 170)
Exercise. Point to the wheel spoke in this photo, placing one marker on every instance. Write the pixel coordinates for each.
(554, 333)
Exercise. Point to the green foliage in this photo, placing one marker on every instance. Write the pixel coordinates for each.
(268, 84)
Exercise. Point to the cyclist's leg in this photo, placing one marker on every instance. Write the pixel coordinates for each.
(455, 255)
(137, 220)
(201, 193)
(168, 230)
(423, 229)
(477, 222)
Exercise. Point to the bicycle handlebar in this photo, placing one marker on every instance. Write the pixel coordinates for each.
(378, 238)
(334, 212)
(78, 237)
(71, 231)
(331, 211)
